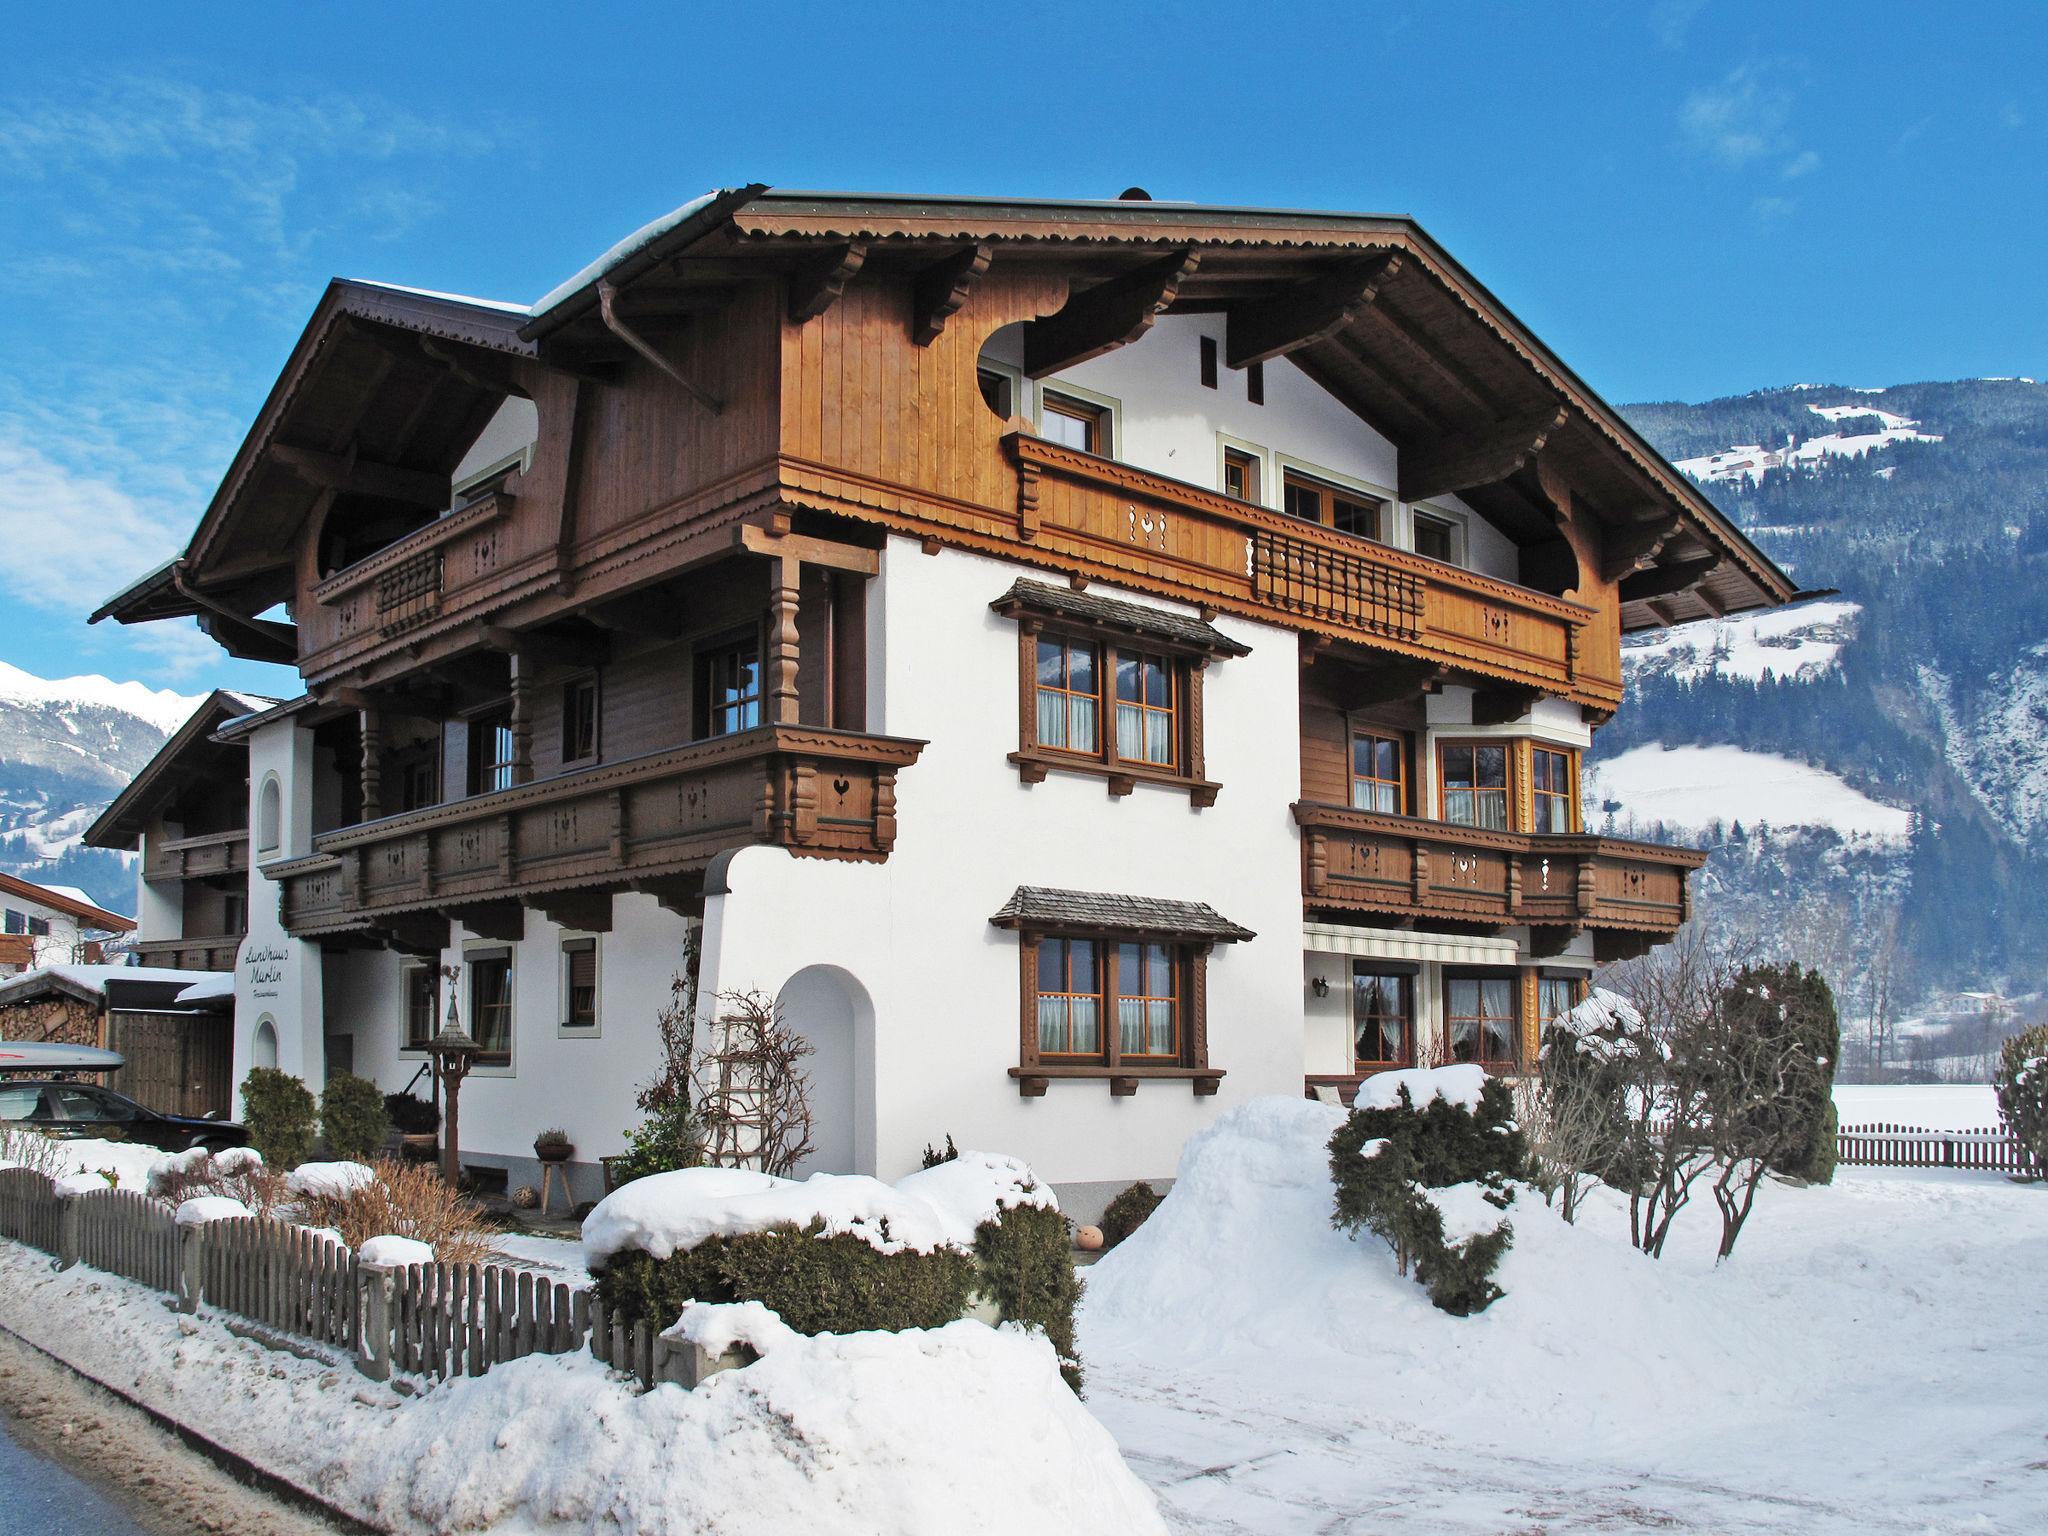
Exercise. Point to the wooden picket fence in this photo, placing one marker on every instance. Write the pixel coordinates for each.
(30, 1211)
(1883, 1145)
(462, 1319)
(124, 1232)
(280, 1276)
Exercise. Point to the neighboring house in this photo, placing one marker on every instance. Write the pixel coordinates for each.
(175, 1028)
(52, 925)
(1089, 662)
(187, 814)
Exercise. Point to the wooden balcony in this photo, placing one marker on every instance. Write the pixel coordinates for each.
(650, 822)
(1212, 548)
(1628, 894)
(206, 952)
(217, 855)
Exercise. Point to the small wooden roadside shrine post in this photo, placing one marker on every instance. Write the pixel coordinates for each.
(454, 1049)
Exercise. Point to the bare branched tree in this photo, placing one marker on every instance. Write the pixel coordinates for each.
(753, 1096)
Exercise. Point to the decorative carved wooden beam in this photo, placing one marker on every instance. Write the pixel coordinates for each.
(1627, 549)
(415, 933)
(1666, 614)
(504, 921)
(350, 472)
(1445, 465)
(1502, 705)
(784, 576)
(757, 540)
(1390, 682)
(1710, 600)
(1305, 313)
(942, 288)
(817, 287)
(1105, 317)
(586, 911)
(607, 306)
(1663, 580)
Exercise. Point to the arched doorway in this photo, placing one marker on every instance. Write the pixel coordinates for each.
(830, 1008)
(263, 1047)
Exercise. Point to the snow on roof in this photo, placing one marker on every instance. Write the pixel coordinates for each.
(73, 893)
(645, 235)
(218, 984)
(92, 979)
(1460, 1085)
(1695, 787)
(158, 706)
(502, 305)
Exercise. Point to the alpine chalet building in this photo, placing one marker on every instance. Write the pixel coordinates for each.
(1090, 662)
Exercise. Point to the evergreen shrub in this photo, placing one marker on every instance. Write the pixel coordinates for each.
(2022, 1082)
(1128, 1212)
(278, 1110)
(353, 1120)
(411, 1115)
(1384, 1162)
(1025, 1265)
(668, 1139)
(1796, 1007)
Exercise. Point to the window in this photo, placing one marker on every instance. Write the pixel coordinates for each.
(78, 1104)
(234, 912)
(422, 991)
(1554, 778)
(1474, 776)
(1436, 538)
(1148, 1001)
(997, 392)
(419, 781)
(1347, 511)
(579, 983)
(38, 927)
(490, 1005)
(1557, 996)
(1479, 1017)
(269, 816)
(1382, 1017)
(1069, 706)
(579, 720)
(729, 686)
(1076, 423)
(17, 922)
(1208, 350)
(490, 752)
(1145, 709)
(1069, 998)
(1240, 474)
(1379, 773)
(20, 1101)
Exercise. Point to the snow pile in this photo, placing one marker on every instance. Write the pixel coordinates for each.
(1459, 1085)
(1783, 642)
(395, 1251)
(1693, 788)
(1466, 1211)
(716, 1327)
(329, 1181)
(1605, 1025)
(973, 1188)
(72, 1184)
(130, 1163)
(201, 1209)
(667, 1212)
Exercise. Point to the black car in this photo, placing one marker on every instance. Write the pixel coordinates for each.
(78, 1110)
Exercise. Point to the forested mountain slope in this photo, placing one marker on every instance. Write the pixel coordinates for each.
(1922, 689)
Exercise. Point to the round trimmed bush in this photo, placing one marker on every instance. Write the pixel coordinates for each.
(2022, 1082)
(278, 1110)
(1025, 1265)
(353, 1120)
(1128, 1212)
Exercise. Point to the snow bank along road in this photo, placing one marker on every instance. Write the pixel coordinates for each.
(1871, 1360)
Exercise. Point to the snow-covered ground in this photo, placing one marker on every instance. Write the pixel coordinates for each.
(1752, 461)
(1935, 1106)
(1693, 787)
(1869, 1361)
(1785, 642)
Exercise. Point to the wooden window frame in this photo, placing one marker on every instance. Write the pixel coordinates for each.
(1507, 786)
(1576, 980)
(706, 652)
(1190, 1059)
(573, 944)
(1071, 993)
(1100, 419)
(1510, 1063)
(473, 962)
(490, 720)
(409, 975)
(1569, 795)
(1403, 746)
(1068, 644)
(1174, 671)
(1005, 382)
(572, 689)
(1034, 760)
(1248, 461)
(1452, 525)
(1405, 973)
(1329, 492)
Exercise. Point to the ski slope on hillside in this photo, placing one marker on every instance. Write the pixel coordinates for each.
(1695, 787)
(1783, 642)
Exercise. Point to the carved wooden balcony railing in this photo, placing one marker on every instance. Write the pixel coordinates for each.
(214, 855)
(1406, 868)
(1209, 547)
(203, 952)
(818, 792)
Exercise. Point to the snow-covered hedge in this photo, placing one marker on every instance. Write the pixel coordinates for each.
(1427, 1161)
(2022, 1082)
(840, 1253)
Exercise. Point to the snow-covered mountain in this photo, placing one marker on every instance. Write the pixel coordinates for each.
(67, 747)
(1874, 764)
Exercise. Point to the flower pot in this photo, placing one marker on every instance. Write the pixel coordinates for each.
(553, 1154)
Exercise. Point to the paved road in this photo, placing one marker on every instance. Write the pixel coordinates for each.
(39, 1498)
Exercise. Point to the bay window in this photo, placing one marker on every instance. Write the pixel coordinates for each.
(1554, 781)
(1474, 780)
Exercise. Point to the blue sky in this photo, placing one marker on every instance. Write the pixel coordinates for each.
(1686, 199)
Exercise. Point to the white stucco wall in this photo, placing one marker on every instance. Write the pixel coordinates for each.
(915, 931)
(1169, 422)
(278, 977)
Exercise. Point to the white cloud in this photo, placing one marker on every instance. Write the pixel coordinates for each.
(1740, 120)
(1802, 164)
(1670, 20)
(72, 540)
(2010, 116)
